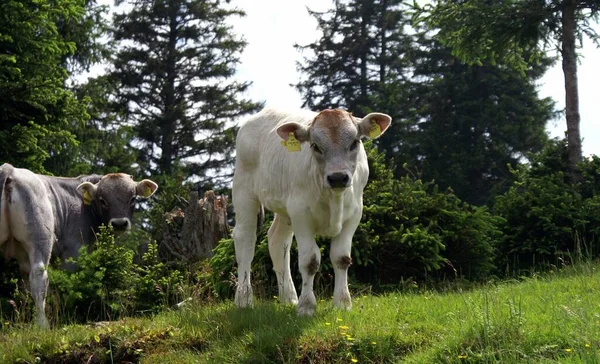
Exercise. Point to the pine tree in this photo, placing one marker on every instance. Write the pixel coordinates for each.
(474, 123)
(35, 106)
(173, 73)
(519, 32)
(357, 57)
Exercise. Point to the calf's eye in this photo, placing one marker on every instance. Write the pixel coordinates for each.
(354, 145)
(316, 148)
(103, 203)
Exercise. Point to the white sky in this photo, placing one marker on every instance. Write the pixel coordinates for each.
(271, 27)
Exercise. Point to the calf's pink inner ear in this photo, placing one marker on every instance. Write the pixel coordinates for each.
(300, 132)
(375, 124)
(146, 188)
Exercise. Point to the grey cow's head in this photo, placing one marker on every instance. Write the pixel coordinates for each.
(335, 138)
(114, 197)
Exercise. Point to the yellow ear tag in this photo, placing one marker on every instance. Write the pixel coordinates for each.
(292, 144)
(375, 130)
(147, 192)
(87, 199)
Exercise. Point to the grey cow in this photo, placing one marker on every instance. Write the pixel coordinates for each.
(42, 214)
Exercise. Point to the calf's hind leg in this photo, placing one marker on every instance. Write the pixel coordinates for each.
(244, 237)
(280, 241)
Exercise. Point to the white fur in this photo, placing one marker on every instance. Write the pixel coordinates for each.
(291, 185)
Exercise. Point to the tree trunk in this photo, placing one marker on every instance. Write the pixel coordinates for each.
(169, 120)
(191, 235)
(569, 65)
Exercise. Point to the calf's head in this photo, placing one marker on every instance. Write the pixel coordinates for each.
(114, 197)
(335, 140)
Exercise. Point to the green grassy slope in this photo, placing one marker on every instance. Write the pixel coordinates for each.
(555, 318)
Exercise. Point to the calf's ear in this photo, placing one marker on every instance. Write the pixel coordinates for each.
(374, 124)
(146, 188)
(300, 131)
(87, 191)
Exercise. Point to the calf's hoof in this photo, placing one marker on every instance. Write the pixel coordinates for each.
(243, 297)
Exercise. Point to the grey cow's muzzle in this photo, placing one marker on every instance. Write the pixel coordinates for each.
(120, 225)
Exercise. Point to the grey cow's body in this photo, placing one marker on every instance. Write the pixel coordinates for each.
(59, 205)
(41, 215)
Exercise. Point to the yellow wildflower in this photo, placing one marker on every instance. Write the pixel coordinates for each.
(328, 324)
(568, 350)
(354, 360)
(343, 327)
(462, 356)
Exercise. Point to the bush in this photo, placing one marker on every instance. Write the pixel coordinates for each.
(410, 229)
(108, 284)
(549, 219)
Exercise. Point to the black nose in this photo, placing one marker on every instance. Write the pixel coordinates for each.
(338, 180)
(119, 224)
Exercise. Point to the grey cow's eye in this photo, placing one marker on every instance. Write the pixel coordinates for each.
(103, 203)
(354, 145)
(316, 148)
(132, 200)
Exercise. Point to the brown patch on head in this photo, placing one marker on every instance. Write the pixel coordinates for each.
(331, 121)
(116, 176)
(117, 185)
(344, 262)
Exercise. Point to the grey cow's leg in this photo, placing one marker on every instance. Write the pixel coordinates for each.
(38, 281)
(280, 240)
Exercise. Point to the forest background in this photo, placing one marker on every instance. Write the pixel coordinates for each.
(467, 185)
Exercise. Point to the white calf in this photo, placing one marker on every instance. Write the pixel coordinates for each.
(310, 169)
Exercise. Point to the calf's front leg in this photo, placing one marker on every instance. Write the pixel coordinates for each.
(309, 260)
(341, 246)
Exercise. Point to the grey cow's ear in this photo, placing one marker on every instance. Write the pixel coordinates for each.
(87, 191)
(146, 188)
(300, 131)
(374, 124)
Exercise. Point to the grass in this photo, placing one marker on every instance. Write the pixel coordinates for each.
(544, 319)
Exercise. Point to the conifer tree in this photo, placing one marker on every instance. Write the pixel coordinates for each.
(173, 74)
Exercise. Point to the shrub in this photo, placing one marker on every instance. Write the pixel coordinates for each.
(549, 218)
(411, 229)
(108, 284)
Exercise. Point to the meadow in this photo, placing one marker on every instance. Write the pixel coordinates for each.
(552, 317)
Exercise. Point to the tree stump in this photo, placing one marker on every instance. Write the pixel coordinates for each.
(190, 235)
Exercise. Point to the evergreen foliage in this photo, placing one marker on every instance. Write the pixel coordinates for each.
(108, 283)
(173, 73)
(549, 220)
(35, 107)
(519, 33)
